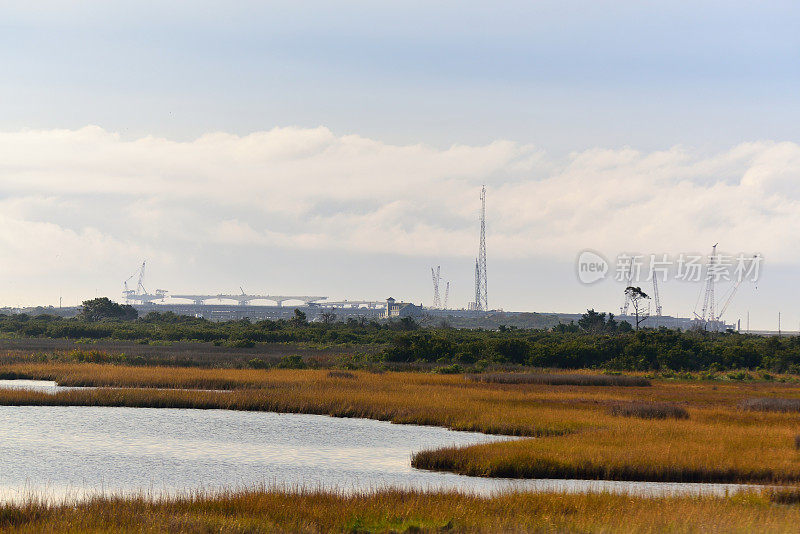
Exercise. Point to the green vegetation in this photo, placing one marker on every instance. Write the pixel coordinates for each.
(104, 308)
(595, 342)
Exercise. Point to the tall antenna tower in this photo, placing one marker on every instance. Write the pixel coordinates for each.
(481, 291)
(437, 302)
(446, 294)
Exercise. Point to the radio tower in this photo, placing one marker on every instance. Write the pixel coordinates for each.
(437, 302)
(482, 293)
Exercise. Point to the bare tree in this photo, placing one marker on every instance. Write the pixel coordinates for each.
(637, 297)
(328, 317)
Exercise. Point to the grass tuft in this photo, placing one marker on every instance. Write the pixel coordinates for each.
(784, 495)
(770, 404)
(341, 374)
(648, 410)
(560, 379)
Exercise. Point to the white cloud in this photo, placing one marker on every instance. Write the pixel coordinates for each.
(91, 192)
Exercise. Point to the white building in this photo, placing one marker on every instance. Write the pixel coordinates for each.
(400, 309)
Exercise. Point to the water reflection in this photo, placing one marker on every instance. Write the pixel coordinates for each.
(74, 451)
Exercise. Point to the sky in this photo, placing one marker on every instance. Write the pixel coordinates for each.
(338, 148)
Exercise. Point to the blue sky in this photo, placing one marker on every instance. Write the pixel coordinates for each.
(571, 88)
(563, 75)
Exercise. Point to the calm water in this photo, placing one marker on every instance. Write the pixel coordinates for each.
(47, 386)
(75, 451)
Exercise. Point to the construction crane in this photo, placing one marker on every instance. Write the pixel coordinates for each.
(127, 291)
(656, 295)
(140, 293)
(140, 284)
(731, 293)
(708, 296)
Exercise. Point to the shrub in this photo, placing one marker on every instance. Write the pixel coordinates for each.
(739, 375)
(292, 361)
(240, 344)
(784, 495)
(649, 410)
(341, 374)
(258, 363)
(560, 379)
(770, 404)
(453, 369)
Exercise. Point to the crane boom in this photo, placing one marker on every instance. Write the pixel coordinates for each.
(731, 294)
(708, 297)
(656, 295)
(140, 284)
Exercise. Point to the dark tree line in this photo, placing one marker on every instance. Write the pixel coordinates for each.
(597, 340)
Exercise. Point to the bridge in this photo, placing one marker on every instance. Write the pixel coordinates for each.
(245, 299)
(371, 304)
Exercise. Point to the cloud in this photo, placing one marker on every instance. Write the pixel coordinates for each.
(94, 193)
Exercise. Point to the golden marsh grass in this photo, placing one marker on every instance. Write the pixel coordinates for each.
(405, 511)
(579, 437)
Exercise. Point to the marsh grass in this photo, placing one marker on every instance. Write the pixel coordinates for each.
(561, 379)
(259, 511)
(579, 438)
(340, 374)
(770, 404)
(790, 495)
(648, 410)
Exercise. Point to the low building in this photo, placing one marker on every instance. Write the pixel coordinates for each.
(401, 309)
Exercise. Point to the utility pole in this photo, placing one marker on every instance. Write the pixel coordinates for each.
(779, 324)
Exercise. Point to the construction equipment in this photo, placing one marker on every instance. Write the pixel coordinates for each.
(707, 312)
(656, 295)
(140, 294)
(728, 297)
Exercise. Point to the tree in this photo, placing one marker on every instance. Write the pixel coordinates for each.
(637, 297)
(592, 322)
(328, 317)
(564, 328)
(299, 318)
(407, 323)
(104, 308)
